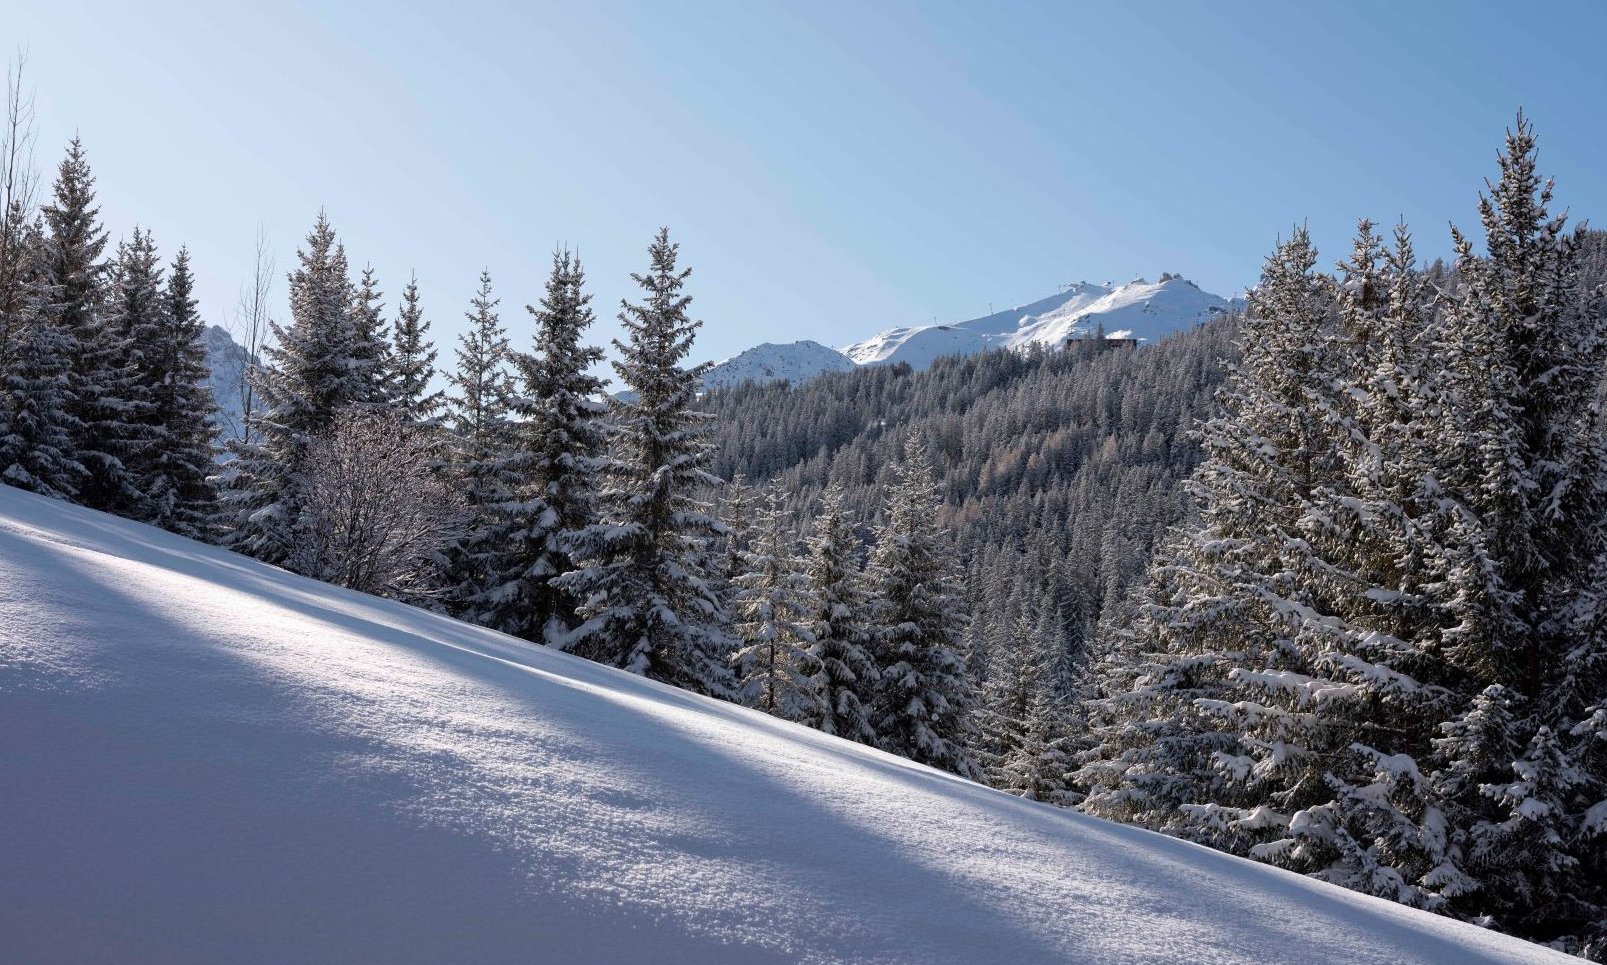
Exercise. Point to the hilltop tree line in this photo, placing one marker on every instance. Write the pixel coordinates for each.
(519, 497)
(1319, 585)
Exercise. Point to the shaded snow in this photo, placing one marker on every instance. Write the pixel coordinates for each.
(205, 759)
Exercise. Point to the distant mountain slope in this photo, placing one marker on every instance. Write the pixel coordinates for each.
(1139, 310)
(227, 360)
(204, 759)
(770, 362)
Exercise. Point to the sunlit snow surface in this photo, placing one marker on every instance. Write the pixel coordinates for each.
(204, 759)
(1141, 310)
(791, 362)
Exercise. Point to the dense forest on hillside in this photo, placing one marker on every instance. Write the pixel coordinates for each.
(1320, 584)
(1058, 470)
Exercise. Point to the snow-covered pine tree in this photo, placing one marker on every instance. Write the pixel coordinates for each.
(1025, 722)
(771, 605)
(1523, 454)
(132, 313)
(1400, 525)
(736, 503)
(371, 345)
(1279, 718)
(918, 624)
(553, 466)
(412, 361)
(37, 426)
(482, 387)
(101, 381)
(307, 380)
(479, 407)
(176, 476)
(1200, 616)
(847, 678)
(649, 605)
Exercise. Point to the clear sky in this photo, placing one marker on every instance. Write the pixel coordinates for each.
(831, 168)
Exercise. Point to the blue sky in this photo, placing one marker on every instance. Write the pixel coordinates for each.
(831, 168)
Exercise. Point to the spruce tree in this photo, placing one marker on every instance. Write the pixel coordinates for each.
(553, 468)
(479, 410)
(1523, 452)
(736, 515)
(37, 427)
(412, 361)
(176, 478)
(132, 313)
(1373, 656)
(847, 678)
(482, 387)
(649, 604)
(1271, 702)
(918, 621)
(776, 667)
(101, 381)
(371, 362)
(1025, 721)
(309, 378)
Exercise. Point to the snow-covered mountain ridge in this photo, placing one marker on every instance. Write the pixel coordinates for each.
(204, 758)
(770, 362)
(1140, 310)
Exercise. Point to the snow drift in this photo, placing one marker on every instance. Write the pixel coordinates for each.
(206, 759)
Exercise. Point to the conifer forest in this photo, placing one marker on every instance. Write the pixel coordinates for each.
(1319, 581)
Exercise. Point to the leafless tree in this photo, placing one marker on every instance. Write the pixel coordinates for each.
(251, 329)
(18, 186)
(375, 510)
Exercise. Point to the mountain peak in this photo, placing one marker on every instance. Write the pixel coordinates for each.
(1138, 309)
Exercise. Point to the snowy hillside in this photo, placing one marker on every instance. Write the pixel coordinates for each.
(227, 361)
(1140, 310)
(793, 362)
(203, 758)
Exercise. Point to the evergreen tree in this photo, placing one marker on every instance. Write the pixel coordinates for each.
(101, 380)
(847, 678)
(649, 603)
(736, 515)
(479, 410)
(553, 466)
(309, 378)
(1523, 453)
(776, 667)
(412, 358)
(918, 624)
(482, 388)
(1026, 724)
(132, 314)
(372, 365)
(36, 422)
(1385, 611)
(1280, 718)
(176, 479)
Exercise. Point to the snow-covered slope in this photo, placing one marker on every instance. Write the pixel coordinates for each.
(793, 362)
(1139, 310)
(205, 759)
